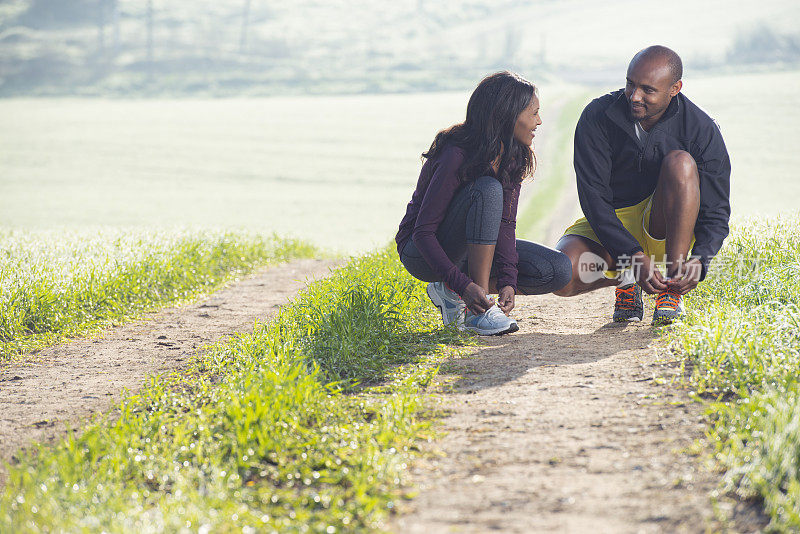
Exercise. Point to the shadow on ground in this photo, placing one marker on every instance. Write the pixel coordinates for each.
(506, 358)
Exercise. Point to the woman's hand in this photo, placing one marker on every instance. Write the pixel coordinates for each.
(476, 299)
(505, 299)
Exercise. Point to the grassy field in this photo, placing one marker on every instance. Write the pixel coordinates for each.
(335, 171)
(740, 346)
(59, 283)
(757, 114)
(258, 435)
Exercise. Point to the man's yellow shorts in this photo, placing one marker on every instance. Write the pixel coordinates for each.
(636, 220)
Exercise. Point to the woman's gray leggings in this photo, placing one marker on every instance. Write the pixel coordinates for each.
(473, 216)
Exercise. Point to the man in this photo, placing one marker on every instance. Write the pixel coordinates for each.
(653, 182)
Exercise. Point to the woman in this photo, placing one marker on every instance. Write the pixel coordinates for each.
(459, 229)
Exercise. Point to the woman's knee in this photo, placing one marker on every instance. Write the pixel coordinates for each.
(490, 188)
(482, 223)
(562, 271)
(416, 265)
(544, 270)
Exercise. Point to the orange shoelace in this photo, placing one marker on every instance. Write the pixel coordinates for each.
(626, 298)
(668, 300)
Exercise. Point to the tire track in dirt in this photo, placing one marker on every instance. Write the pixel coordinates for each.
(563, 427)
(66, 383)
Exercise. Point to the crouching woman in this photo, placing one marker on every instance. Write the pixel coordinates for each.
(459, 230)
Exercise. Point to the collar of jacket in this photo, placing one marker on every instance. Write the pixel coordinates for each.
(620, 114)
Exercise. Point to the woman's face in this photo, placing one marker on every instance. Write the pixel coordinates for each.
(527, 122)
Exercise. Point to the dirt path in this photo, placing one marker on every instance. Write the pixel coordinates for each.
(69, 382)
(561, 427)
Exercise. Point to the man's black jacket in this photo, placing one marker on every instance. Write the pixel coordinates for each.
(615, 170)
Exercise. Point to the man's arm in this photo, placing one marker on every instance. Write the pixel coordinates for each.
(593, 173)
(711, 228)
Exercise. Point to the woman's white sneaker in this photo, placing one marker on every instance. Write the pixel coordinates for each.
(493, 322)
(449, 303)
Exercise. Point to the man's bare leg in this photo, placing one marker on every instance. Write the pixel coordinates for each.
(576, 247)
(676, 203)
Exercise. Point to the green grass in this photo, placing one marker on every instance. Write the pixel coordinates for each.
(59, 283)
(260, 435)
(740, 344)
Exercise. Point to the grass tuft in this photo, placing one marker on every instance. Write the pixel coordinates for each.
(359, 321)
(59, 284)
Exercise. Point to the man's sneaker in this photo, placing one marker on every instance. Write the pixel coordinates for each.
(493, 322)
(628, 306)
(449, 303)
(668, 308)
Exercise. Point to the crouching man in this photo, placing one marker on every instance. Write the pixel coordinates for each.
(654, 184)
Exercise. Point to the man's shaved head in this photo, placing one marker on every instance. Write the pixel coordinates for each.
(653, 79)
(662, 53)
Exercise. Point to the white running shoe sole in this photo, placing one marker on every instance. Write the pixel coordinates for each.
(510, 329)
(493, 322)
(444, 307)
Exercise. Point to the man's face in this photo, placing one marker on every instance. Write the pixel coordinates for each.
(649, 89)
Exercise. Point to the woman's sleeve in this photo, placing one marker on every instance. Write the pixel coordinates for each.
(505, 252)
(443, 185)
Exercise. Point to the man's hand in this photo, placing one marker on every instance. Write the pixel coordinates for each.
(687, 277)
(647, 274)
(505, 299)
(476, 299)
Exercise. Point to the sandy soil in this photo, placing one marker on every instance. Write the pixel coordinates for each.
(562, 427)
(66, 383)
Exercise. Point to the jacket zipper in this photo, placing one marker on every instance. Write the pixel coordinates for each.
(644, 148)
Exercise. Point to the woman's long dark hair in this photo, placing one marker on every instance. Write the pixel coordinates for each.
(488, 130)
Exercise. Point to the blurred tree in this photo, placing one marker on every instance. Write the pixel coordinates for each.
(102, 7)
(51, 14)
(245, 24)
(107, 9)
(149, 24)
(762, 44)
(115, 26)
